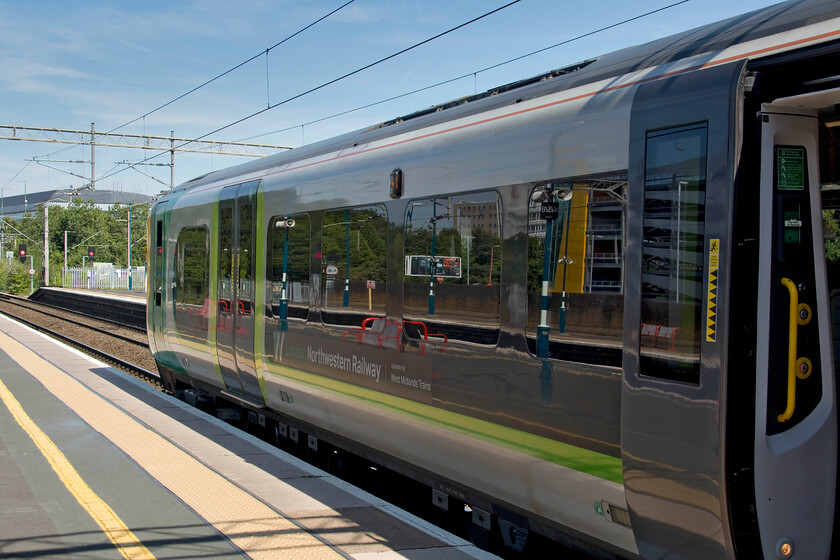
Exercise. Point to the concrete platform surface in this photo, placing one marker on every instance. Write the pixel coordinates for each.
(95, 464)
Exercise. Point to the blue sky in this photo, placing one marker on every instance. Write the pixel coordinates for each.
(65, 64)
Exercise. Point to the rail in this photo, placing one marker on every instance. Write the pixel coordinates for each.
(137, 371)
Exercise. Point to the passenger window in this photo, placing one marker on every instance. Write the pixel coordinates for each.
(158, 263)
(192, 266)
(246, 247)
(192, 279)
(353, 265)
(453, 264)
(225, 258)
(672, 253)
(288, 266)
(576, 235)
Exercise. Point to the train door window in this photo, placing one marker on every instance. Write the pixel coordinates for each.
(158, 262)
(225, 258)
(453, 264)
(192, 279)
(288, 265)
(246, 255)
(353, 265)
(576, 233)
(672, 253)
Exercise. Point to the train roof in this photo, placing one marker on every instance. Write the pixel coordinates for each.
(711, 38)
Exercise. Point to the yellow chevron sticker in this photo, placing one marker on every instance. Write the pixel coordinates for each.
(711, 312)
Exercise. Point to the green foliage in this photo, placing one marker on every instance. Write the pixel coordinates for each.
(14, 277)
(86, 225)
(831, 226)
(193, 265)
(476, 260)
(365, 229)
(297, 268)
(536, 263)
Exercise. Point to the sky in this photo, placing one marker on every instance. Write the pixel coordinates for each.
(68, 63)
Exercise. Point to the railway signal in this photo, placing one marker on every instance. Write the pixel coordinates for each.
(91, 252)
(22, 252)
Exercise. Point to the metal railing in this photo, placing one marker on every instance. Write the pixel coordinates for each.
(298, 292)
(104, 278)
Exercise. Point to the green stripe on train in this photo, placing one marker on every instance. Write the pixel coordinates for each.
(569, 456)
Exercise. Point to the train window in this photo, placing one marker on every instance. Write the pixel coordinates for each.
(192, 279)
(353, 265)
(289, 252)
(453, 264)
(158, 262)
(576, 232)
(246, 252)
(672, 253)
(225, 256)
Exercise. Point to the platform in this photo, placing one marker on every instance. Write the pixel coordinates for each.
(138, 296)
(95, 464)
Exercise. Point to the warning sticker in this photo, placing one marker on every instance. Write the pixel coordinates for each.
(711, 313)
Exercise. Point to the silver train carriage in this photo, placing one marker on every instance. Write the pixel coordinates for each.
(592, 305)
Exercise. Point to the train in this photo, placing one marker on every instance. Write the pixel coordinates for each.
(592, 305)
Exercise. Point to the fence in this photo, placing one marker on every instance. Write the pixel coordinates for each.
(104, 278)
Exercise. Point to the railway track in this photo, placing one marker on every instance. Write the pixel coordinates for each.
(123, 346)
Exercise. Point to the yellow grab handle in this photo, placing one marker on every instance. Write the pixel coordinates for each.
(792, 332)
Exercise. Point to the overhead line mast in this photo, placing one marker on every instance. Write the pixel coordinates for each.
(144, 142)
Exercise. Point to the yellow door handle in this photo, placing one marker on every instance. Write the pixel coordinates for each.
(800, 314)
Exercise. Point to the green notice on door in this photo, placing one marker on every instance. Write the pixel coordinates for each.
(790, 169)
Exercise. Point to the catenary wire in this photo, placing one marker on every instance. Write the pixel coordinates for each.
(211, 80)
(330, 82)
(240, 65)
(269, 107)
(467, 75)
(363, 68)
(16, 175)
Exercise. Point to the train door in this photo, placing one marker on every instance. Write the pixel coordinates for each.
(235, 323)
(681, 171)
(795, 411)
(155, 304)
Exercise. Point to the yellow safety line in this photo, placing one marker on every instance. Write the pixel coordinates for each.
(251, 525)
(126, 542)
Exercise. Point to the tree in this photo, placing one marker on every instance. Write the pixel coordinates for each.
(831, 225)
(85, 225)
(14, 277)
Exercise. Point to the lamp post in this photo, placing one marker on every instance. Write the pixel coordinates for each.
(347, 223)
(433, 268)
(347, 268)
(128, 257)
(432, 260)
(549, 211)
(3, 218)
(543, 328)
(128, 249)
(286, 224)
(46, 245)
(468, 239)
(64, 276)
(492, 251)
(31, 275)
(465, 238)
(565, 260)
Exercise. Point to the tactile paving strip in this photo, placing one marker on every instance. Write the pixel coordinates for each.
(248, 523)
